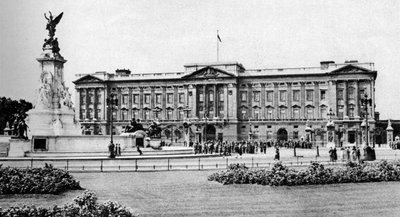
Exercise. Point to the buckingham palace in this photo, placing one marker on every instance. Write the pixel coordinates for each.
(224, 100)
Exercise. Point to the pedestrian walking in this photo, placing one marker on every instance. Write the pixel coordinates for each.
(277, 157)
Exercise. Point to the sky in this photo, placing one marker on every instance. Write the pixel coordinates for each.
(163, 35)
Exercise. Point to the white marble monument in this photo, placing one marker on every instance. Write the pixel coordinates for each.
(53, 113)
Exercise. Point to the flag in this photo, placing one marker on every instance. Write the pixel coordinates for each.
(219, 38)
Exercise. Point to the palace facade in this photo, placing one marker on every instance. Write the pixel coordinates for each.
(224, 100)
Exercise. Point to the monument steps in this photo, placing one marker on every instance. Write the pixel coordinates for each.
(129, 152)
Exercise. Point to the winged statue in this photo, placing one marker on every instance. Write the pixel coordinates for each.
(52, 23)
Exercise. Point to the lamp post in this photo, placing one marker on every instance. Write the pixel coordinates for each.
(111, 102)
(205, 126)
(365, 102)
(186, 124)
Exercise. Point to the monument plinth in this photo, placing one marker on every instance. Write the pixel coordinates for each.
(53, 113)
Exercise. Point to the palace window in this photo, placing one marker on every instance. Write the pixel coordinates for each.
(170, 98)
(310, 112)
(83, 114)
(221, 95)
(295, 134)
(146, 114)
(124, 114)
(256, 113)
(296, 95)
(269, 134)
(135, 98)
(158, 98)
(323, 95)
(169, 114)
(324, 113)
(270, 96)
(256, 96)
(135, 114)
(147, 98)
(83, 98)
(340, 94)
(282, 95)
(351, 111)
(114, 115)
(244, 114)
(98, 115)
(211, 96)
(296, 113)
(91, 113)
(180, 114)
(351, 93)
(201, 97)
(282, 113)
(340, 111)
(269, 113)
(243, 96)
(91, 98)
(181, 97)
(125, 99)
(98, 97)
(309, 95)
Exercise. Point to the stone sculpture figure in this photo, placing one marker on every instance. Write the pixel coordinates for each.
(52, 23)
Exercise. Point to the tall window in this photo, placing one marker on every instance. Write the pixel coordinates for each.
(351, 111)
(181, 97)
(269, 134)
(180, 114)
(296, 95)
(210, 96)
(114, 114)
(296, 113)
(282, 113)
(309, 95)
(323, 95)
(243, 96)
(256, 96)
(98, 114)
(147, 98)
(83, 114)
(282, 95)
(340, 111)
(244, 114)
(125, 99)
(269, 113)
(295, 134)
(310, 112)
(135, 98)
(135, 113)
(257, 113)
(124, 114)
(221, 95)
(91, 113)
(351, 92)
(83, 98)
(270, 96)
(170, 98)
(147, 114)
(340, 94)
(158, 98)
(201, 97)
(91, 98)
(324, 113)
(169, 114)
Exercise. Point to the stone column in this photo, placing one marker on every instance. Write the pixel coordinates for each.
(276, 98)
(289, 113)
(216, 110)
(176, 103)
(119, 97)
(130, 116)
(316, 100)
(194, 103)
(163, 113)
(152, 103)
(226, 101)
(357, 100)
(87, 103)
(332, 99)
(141, 101)
(262, 95)
(372, 96)
(303, 100)
(250, 101)
(205, 101)
(345, 100)
(233, 103)
(78, 104)
(95, 103)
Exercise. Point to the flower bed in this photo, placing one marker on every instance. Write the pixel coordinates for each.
(46, 180)
(84, 205)
(315, 174)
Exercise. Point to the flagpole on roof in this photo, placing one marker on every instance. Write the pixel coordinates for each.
(217, 46)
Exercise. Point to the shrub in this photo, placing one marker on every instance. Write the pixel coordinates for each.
(46, 180)
(315, 174)
(84, 205)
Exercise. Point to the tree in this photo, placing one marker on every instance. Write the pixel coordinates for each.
(9, 109)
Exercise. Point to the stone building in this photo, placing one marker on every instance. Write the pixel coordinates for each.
(224, 100)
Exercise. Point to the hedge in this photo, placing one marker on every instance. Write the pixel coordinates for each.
(84, 205)
(46, 180)
(315, 174)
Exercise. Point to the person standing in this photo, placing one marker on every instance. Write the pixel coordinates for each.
(358, 154)
(277, 156)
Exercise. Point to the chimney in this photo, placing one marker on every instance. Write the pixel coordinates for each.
(351, 61)
(123, 71)
(325, 64)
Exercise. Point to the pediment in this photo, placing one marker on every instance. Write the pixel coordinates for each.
(87, 79)
(209, 72)
(351, 69)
